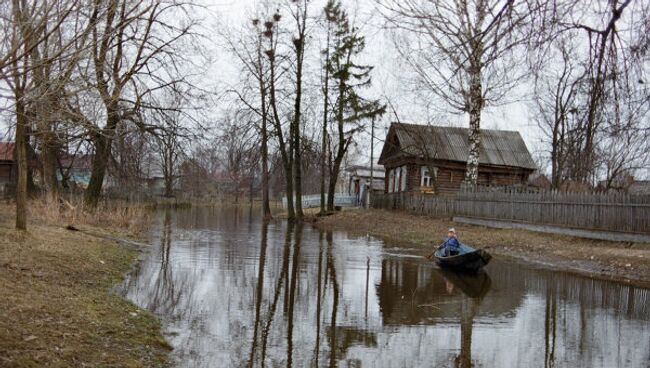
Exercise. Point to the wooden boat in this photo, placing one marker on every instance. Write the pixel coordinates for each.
(468, 260)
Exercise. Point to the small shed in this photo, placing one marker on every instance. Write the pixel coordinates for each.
(433, 159)
(358, 179)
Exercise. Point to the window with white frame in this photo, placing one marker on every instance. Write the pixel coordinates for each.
(402, 184)
(426, 179)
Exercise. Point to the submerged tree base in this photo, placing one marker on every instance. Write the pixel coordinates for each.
(56, 304)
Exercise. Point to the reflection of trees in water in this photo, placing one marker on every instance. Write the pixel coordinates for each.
(468, 309)
(331, 270)
(292, 292)
(319, 293)
(473, 289)
(550, 319)
(278, 290)
(167, 290)
(413, 293)
(259, 291)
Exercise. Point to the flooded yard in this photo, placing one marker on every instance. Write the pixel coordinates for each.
(233, 291)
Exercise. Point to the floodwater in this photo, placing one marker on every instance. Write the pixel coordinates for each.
(234, 292)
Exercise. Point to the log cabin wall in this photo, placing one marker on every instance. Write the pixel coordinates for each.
(451, 175)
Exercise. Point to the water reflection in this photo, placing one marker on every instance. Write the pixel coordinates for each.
(234, 291)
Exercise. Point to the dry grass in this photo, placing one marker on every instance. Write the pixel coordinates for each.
(130, 218)
(619, 260)
(56, 308)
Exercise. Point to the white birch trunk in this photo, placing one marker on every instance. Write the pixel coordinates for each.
(475, 107)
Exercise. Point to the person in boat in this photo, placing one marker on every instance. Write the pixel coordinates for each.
(451, 246)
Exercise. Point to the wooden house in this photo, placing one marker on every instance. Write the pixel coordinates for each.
(433, 159)
(8, 168)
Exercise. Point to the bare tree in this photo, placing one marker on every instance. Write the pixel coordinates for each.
(247, 45)
(133, 54)
(239, 155)
(590, 95)
(556, 92)
(23, 69)
(285, 142)
(299, 13)
(172, 135)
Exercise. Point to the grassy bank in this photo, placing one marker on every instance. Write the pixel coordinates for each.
(56, 304)
(612, 260)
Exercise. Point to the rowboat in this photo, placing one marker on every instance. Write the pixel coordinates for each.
(468, 260)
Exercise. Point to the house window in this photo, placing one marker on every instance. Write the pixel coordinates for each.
(426, 180)
(402, 184)
(396, 180)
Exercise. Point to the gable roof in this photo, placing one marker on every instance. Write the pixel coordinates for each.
(498, 147)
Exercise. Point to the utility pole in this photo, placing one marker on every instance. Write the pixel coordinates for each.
(372, 159)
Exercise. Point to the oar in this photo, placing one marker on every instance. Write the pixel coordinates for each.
(434, 252)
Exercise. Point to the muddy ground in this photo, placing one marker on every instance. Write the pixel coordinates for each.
(56, 304)
(622, 261)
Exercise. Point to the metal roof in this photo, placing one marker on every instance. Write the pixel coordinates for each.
(498, 147)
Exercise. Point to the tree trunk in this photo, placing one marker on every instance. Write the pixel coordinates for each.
(297, 173)
(297, 161)
(324, 132)
(555, 162)
(266, 208)
(49, 161)
(288, 175)
(103, 141)
(475, 107)
(285, 154)
(100, 164)
(334, 174)
(251, 188)
(331, 189)
(341, 150)
(169, 186)
(21, 159)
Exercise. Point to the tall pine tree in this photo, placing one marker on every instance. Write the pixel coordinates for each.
(347, 78)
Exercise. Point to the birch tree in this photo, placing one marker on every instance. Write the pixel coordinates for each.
(463, 52)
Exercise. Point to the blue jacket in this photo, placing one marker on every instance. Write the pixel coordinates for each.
(451, 243)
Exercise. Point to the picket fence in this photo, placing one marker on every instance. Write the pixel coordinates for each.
(588, 211)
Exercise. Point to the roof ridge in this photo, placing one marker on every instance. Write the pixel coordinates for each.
(453, 127)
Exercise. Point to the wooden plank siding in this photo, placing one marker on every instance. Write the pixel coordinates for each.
(588, 211)
(452, 174)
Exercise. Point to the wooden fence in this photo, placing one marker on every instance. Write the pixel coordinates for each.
(605, 212)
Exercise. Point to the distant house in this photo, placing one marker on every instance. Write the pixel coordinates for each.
(8, 168)
(539, 181)
(639, 187)
(75, 170)
(357, 178)
(421, 158)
